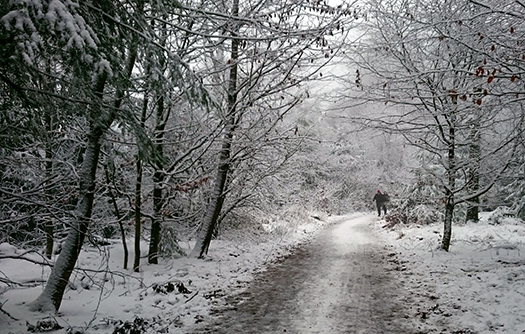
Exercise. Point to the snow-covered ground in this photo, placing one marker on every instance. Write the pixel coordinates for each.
(102, 295)
(477, 287)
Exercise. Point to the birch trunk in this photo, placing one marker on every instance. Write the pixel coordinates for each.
(450, 187)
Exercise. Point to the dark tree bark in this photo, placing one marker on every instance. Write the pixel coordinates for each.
(156, 227)
(217, 199)
(473, 185)
(119, 96)
(138, 215)
(158, 180)
(138, 191)
(447, 230)
(109, 181)
(49, 225)
(50, 120)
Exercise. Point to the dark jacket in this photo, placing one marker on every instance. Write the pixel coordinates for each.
(381, 198)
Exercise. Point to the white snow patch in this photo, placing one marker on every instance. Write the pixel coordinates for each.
(99, 300)
(479, 285)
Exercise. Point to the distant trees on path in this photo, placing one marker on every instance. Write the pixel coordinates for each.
(449, 79)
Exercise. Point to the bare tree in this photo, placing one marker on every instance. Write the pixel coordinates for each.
(101, 65)
(500, 42)
(430, 76)
(266, 53)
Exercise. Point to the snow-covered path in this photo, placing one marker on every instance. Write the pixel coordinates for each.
(351, 275)
(341, 282)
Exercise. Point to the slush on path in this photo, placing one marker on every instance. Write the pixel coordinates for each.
(341, 282)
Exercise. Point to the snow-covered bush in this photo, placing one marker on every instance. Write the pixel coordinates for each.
(516, 196)
(169, 243)
(419, 202)
(424, 214)
(496, 217)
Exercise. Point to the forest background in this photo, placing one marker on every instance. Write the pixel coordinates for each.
(169, 121)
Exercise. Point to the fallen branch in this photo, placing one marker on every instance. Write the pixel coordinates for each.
(26, 284)
(196, 293)
(5, 312)
(518, 263)
(21, 257)
(504, 246)
(49, 264)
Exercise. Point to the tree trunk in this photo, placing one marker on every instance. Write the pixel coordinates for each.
(217, 199)
(450, 187)
(118, 102)
(158, 180)
(156, 227)
(138, 215)
(110, 181)
(447, 231)
(119, 96)
(162, 116)
(99, 122)
(50, 126)
(51, 298)
(138, 189)
(50, 240)
(473, 185)
(49, 225)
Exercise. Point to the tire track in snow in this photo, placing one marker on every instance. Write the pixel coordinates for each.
(338, 283)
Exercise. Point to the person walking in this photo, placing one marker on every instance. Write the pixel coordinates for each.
(380, 200)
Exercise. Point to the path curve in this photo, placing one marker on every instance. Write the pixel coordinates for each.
(341, 282)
